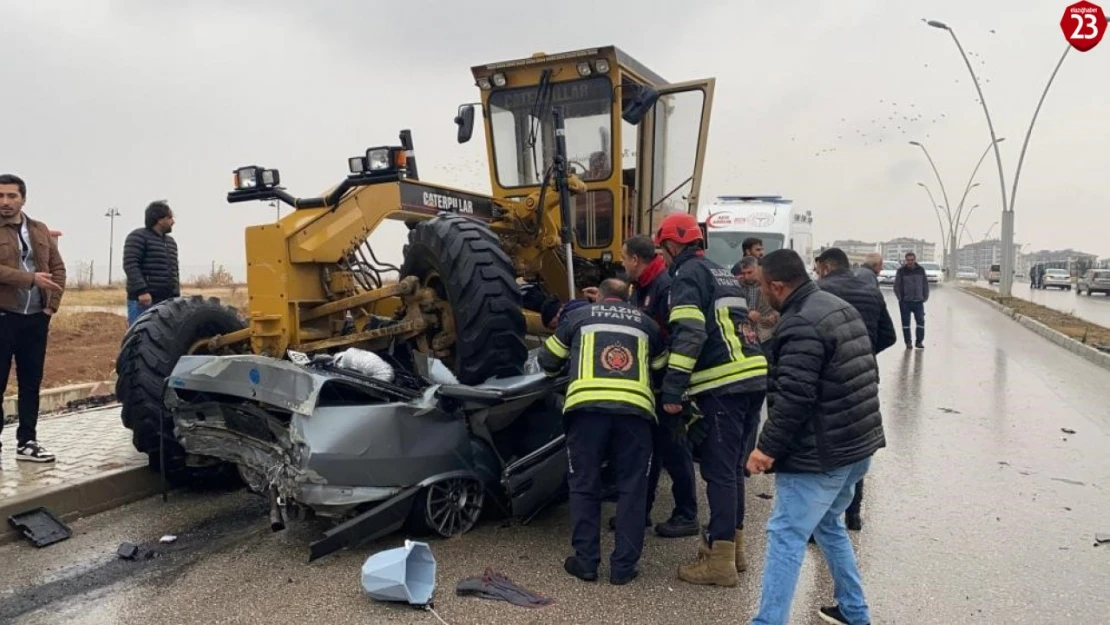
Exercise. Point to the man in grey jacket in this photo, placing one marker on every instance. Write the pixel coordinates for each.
(869, 269)
(911, 287)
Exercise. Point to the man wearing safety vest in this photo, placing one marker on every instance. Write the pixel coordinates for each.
(614, 350)
(716, 360)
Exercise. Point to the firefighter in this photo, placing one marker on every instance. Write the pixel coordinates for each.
(613, 350)
(651, 287)
(715, 360)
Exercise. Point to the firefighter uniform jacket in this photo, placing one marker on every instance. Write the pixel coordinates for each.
(614, 349)
(713, 346)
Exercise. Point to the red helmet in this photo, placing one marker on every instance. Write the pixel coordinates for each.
(678, 227)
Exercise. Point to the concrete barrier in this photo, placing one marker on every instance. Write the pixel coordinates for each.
(1085, 351)
(64, 398)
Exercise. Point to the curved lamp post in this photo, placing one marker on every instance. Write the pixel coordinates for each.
(971, 180)
(952, 227)
(1007, 278)
(933, 203)
(963, 228)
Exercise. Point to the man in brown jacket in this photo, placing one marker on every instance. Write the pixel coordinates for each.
(32, 276)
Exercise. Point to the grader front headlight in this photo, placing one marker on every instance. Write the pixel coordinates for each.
(247, 177)
(378, 159)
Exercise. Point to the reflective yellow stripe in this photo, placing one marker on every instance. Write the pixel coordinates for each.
(728, 334)
(729, 373)
(692, 313)
(680, 362)
(609, 395)
(586, 357)
(605, 384)
(555, 346)
(660, 361)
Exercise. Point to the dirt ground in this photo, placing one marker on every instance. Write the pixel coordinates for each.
(82, 348)
(1076, 328)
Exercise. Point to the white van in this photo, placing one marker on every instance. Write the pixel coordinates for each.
(731, 219)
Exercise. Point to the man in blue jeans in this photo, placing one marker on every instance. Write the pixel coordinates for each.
(823, 425)
(911, 287)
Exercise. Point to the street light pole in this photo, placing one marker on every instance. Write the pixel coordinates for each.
(1006, 280)
(971, 180)
(1008, 227)
(963, 228)
(111, 215)
(947, 209)
(933, 202)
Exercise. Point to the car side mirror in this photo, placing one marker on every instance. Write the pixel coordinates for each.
(465, 121)
(639, 104)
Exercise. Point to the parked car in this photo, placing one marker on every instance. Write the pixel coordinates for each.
(967, 273)
(1094, 281)
(886, 276)
(1058, 278)
(994, 274)
(933, 272)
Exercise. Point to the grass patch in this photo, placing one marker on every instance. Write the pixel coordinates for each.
(114, 296)
(1079, 329)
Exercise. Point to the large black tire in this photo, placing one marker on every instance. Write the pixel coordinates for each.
(477, 278)
(149, 351)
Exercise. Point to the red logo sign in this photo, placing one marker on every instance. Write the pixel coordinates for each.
(1083, 24)
(616, 357)
(725, 219)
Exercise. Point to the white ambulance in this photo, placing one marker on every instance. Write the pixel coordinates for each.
(730, 219)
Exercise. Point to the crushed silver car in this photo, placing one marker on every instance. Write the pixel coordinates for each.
(376, 447)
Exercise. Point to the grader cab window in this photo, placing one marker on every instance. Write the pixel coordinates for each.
(524, 144)
(678, 121)
(524, 137)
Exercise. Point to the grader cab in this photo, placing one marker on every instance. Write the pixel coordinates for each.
(585, 149)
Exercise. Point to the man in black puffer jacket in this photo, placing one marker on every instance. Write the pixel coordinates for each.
(823, 425)
(150, 262)
(837, 278)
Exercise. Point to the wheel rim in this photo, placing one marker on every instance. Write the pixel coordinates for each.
(453, 506)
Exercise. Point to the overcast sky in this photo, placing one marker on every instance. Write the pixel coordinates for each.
(118, 102)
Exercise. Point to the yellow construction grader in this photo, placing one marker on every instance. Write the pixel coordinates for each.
(585, 149)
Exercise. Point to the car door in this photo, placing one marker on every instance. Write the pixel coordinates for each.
(540, 477)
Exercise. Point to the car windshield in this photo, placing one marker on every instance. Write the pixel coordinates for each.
(930, 266)
(524, 134)
(1056, 272)
(890, 265)
(1100, 274)
(724, 248)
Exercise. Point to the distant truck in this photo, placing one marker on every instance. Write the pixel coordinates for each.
(730, 219)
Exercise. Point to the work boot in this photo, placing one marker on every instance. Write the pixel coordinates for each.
(741, 558)
(677, 527)
(719, 569)
(853, 521)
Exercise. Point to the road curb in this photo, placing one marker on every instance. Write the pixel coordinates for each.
(65, 399)
(1061, 339)
(96, 494)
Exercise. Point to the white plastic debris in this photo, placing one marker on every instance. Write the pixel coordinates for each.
(438, 372)
(167, 539)
(403, 574)
(366, 363)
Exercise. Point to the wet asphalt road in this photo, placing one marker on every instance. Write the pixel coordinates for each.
(1094, 308)
(980, 510)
